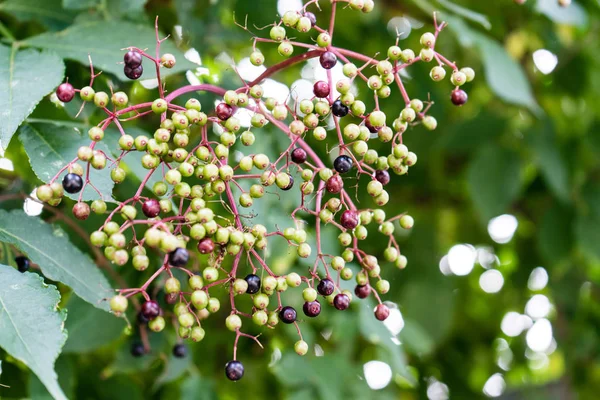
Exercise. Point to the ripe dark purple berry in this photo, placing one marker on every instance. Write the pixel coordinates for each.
(253, 283)
(151, 208)
(150, 310)
(234, 370)
(65, 92)
(321, 89)
(328, 60)
(459, 97)
(382, 176)
(137, 349)
(312, 308)
(133, 73)
(141, 319)
(362, 291)
(206, 246)
(289, 185)
(132, 59)
(287, 315)
(341, 301)
(325, 287)
(343, 164)
(179, 257)
(23, 263)
(382, 312)
(180, 350)
(224, 111)
(312, 17)
(298, 155)
(72, 183)
(339, 109)
(349, 219)
(335, 184)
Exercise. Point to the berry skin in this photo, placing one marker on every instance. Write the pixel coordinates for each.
(311, 308)
(253, 283)
(349, 219)
(224, 111)
(382, 176)
(132, 59)
(81, 211)
(382, 312)
(133, 73)
(150, 310)
(325, 287)
(339, 109)
(234, 370)
(343, 164)
(334, 184)
(311, 17)
(328, 60)
(206, 246)
(137, 349)
(180, 350)
(65, 92)
(151, 208)
(179, 257)
(72, 183)
(287, 315)
(23, 263)
(362, 291)
(298, 155)
(459, 97)
(341, 301)
(290, 184)
(321, 89)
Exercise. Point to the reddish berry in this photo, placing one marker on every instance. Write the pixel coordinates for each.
(459, 97)
(298, 155)
(321, 89)
(287, 315)
(341, 301)
(328, 60)
(325, 287)
(81, 211)
(349, 219)
(362, 291)
(224, 111)
(150, 310)
(151, 208)
(132, 59)
(311, 308)
(382, 176)
(206, 246)
(334, 184)
(382, 312)
(65, 92)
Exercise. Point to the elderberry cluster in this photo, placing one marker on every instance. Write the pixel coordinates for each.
(176, 222)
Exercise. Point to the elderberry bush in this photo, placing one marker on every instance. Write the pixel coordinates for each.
(195, 218)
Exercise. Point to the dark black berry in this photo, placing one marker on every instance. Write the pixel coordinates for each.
(339, 109)
(328, 60)
(459, 97)
(23, 263)
(133, 73)
(341, 301)
(253, 283)
(137, 349)
(289, 185)
(312, 308)
(150, 310)
(287, 315)
(312, 17)
(179, 257)
(151, 208)
(382, 176)
(325, 287)
(343, 164)
(72, 183)
(179, 350)
(234, 370)
(132, 59)
(141, 319)
(298, 155)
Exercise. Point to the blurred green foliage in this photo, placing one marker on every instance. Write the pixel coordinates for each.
(526, 144)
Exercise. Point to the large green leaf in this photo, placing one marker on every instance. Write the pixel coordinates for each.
(494, 180)
(106, 44)
(48, 12)
(66, 378)
(51, 147)
(25, 78)
(83, 323)
(31, 326)
(59, 260)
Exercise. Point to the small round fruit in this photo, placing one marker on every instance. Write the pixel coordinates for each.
(341, 301)
(349, 219)
(362, 291)
(234, 370)
(151, 208)
(132, 59)
(253, 283)
(150, 310)
(325, 287)
(299, 155)
(343, 164)
(459, 97)
(321, 89)
(137, 349)
(382, 312)
(312, 308)
(72, 183)
(287, 315)
(65, 92)
(328, 60)
(23, 263)
(133, 73)
(179, 350)
(179, 257)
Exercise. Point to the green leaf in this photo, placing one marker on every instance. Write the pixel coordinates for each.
(66, 378)
(79, 4)
(174, 369)
(494, 180)
(25, 78)
(106, 44)
(59, 260)
(194, 385)
(83, 323)
(48, 12)
(572, 15)
(555, 236)
(467, 13)
(51, 147)
(31, 326)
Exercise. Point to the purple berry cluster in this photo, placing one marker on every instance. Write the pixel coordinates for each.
(175, 220)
